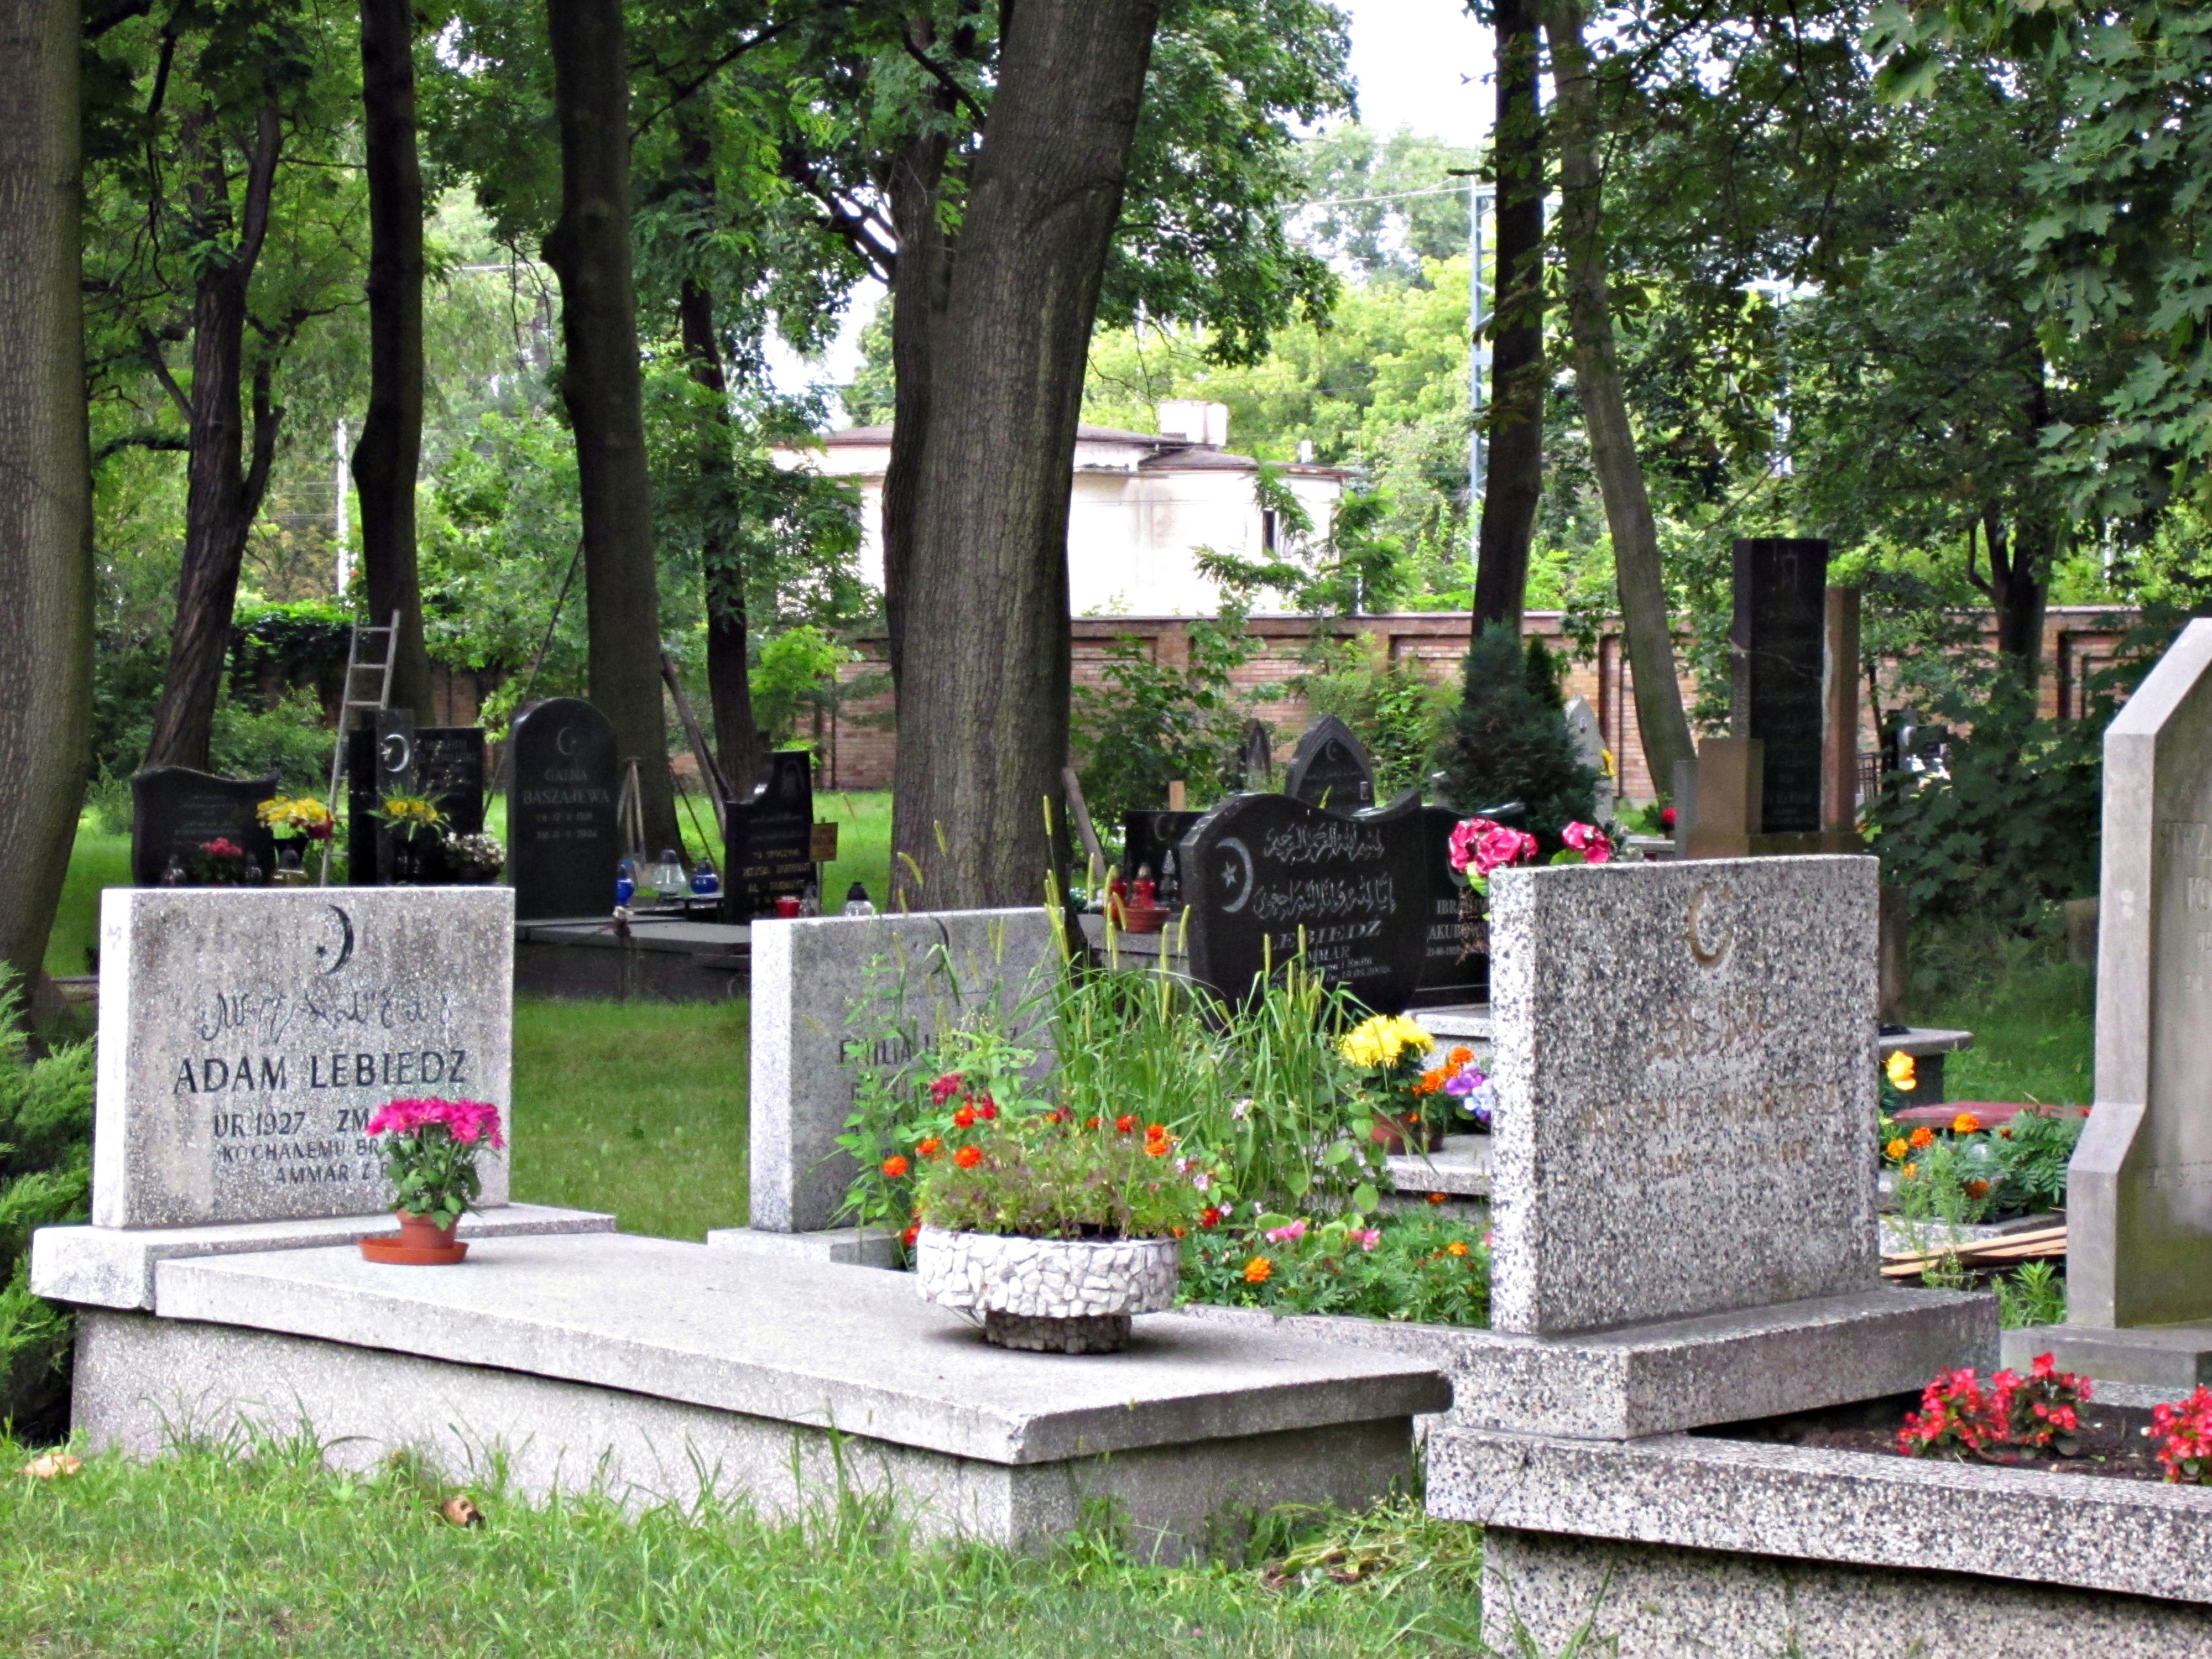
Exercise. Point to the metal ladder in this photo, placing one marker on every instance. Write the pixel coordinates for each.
(349, 703)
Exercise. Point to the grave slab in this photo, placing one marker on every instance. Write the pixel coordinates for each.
(1704, 1033)
(113, 1267)
(826, 989)
(1761, 1506)
(247, 1034)
(1655, 1378)
(857, 1247)
(576, 1351)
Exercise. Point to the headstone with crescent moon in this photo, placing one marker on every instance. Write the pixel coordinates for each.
(1686, 1072)
(380, 760)
(1331, 769)
(561, 841)
(1265, 875)
(767, 848)
(248, 1036)
(176, 812)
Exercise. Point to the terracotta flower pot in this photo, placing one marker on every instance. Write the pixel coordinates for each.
(421, 1244)
(1398, 1133)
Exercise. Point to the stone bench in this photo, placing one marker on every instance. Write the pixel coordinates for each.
(648, 1368)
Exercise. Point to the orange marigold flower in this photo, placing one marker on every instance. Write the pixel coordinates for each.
(1156, 1149)
(894, 1166)
(1155, 1131)
(1124, 1124)
(1911, 1170)
(1258, 1270)
(968, 1157)
(1457, 1246)
(1966, 1124)
(929, 1147)
(1177, 1231)
(1978, 1189)
(1924, 1136)
(1438, 1198)
(1429, 1082)
(1209, 1217)
(912, 1233)
(1897, 1149)
(1460, 1056)
(1090, 1123)
(964, 1118)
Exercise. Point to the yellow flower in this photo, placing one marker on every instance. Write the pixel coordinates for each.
(1902, 1071)
(1897, 1149)
(1911, 1170)
(1966, 1124)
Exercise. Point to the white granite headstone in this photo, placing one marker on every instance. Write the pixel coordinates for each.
(823, 990)
(2139, 1193)
(1589, 749)
(1684, 1057)
(246, 1036)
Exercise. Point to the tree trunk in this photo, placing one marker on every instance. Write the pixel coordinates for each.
(1513, 481)
(46, 509)
(920, 284)
(603, 387)
(386, 461)
(983, 700)
(737, 747)
(2018, 586)
(1667, 739)
(223, 491)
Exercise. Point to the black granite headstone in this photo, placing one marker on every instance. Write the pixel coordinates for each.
(380, 760)
(1331, 769)
(1256, 756)
(1148, 843)
(1257, 869)
(561, 839)
(1779, 636)
(769, 839)
(176, 812)
(1455, 943)
(449, 768)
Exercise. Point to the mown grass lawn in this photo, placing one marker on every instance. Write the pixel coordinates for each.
(214, 1553)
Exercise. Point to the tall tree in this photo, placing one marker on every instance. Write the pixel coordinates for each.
(984, 694)
(1513, 481)
(1644, 623)
(602, 384)
(46, 511)
(385, 459)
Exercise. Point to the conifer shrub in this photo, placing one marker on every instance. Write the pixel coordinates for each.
(46, 1176)
(1509, 740)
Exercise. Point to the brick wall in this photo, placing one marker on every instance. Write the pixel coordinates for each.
(2077, 641)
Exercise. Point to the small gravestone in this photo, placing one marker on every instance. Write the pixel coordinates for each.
(1257, 758)
(450, 770)
(247, 1038)
(1778, 696)
(1331, 769)
(769, 851)
(832, 993)
(2139, 1192)
(380, 760)
(176, 813)
(1455, 940)
(561, 835)
(1589, 749)
(1266, 875)
(1149, 842)
(1703, 1035)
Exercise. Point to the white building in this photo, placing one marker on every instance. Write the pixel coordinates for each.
(1141, 506)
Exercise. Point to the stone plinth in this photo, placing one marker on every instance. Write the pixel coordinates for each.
(649, 1366)
(1684, 1068)
(246, 1036)
(833, 993)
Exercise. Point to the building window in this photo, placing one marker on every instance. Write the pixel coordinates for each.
(1268, 517)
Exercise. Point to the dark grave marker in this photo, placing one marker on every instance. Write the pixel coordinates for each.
(1258, 757)
(1331, 769)
(561, 839)
(380, 760)
(175, 811)
(1454, 941)
(449, 766)
(1777, 699)
(1148, 843)
(1257, 869)
(769, 841)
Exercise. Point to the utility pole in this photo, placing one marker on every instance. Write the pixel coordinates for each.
(1478, 202)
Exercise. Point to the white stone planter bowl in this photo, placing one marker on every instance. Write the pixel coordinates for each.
(1047, 1277)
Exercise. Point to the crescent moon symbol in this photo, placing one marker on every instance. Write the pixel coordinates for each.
(345, 947)
(564, 740)
(397, 751)
(1706, 955)
(1231, 844)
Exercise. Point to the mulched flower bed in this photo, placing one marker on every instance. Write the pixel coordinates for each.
(2113, 1440)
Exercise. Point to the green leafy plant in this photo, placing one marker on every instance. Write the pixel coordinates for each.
(2032, 1294)
(1052, 1176)
(2033, 1151)
(1422, 1268)
(45, 1177)
(1397, 712)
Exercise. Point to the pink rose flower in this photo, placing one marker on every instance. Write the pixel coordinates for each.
(1487, 845)
(1589, 841)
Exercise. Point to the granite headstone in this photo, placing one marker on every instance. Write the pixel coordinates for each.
(561, 835)
(1265, 875)
(450, 769)
(1778, 696)
(1685, 1070)
(247, 1036)
(768, 850)
(1589, 749)
(1331, 769)
(1256, 756)
(1454, 939)
(2139, 1209)
(176, 812)
(380, 760)
(1149, 841)
(833, 993)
